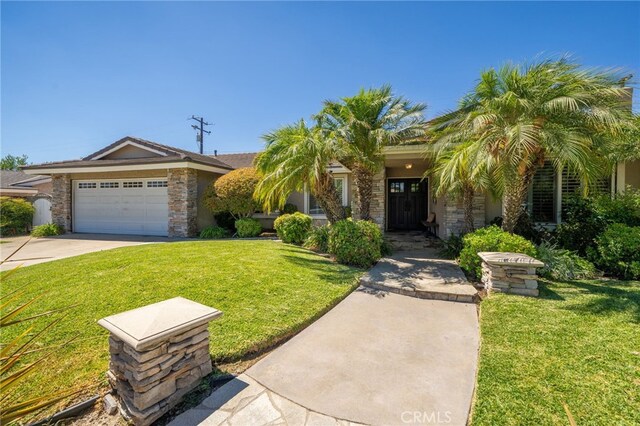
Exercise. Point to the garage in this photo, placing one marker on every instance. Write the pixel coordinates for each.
(121, 206)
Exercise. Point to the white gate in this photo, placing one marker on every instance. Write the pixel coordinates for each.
(43, 211)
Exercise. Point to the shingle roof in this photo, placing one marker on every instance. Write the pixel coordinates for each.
(13, 179)
(173, 155)
(237, 161)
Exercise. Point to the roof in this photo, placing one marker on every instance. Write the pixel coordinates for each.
(237, 161)
(13, 179)
(170, 155)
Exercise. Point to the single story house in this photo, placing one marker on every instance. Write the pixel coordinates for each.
(36, 189)
(135, 186)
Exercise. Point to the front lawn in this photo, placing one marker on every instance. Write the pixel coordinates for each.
(267, 291)
(578, 343)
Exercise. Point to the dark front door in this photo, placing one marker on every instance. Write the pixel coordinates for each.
(407, 203)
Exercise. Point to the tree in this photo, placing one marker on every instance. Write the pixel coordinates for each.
(521, 116)
(297, 155)
(364, 124)
(10, 162)
(233, 193)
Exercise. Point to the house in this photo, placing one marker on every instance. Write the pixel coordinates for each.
(135, 186)
(36, 189)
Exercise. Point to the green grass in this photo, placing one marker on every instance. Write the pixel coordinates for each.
(578, 343)
(267, 291)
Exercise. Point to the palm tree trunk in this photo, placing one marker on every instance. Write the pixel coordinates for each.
(363, 182)
(329, 199)
(514, 195)
(467, 205)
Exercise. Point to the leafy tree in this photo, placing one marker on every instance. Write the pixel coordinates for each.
(10, 162)
(297, 155)
(521, 116)
(364, 124)
(233, 193)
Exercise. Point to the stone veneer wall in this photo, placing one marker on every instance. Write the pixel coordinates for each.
(378, 200)
(61, 201)
(453, 221)
(151, 382)
(183, 202)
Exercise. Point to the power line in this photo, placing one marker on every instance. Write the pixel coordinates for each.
(201, 131)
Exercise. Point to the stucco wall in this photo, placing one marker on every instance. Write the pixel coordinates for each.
(417, 171)
(128, 152)
(632, 173)
(493, 208)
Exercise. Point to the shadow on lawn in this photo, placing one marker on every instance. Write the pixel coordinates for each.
(612, 298)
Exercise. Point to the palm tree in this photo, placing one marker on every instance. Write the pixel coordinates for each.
(297, 155)
(364, 124)
(519, 117)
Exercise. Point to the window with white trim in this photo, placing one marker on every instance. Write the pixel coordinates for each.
(87, 185)
(314, 207)
(132, 184)
(109, 185)
(157, 184)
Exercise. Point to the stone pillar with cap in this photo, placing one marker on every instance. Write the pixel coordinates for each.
(510, 273)
(158, 354)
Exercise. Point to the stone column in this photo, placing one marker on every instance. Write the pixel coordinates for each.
(159, 353)
(453, 221)
(61, 201)
(510, 273)
(183, 202)
(378, 200)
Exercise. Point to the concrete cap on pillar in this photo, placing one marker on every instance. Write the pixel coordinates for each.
(510, 259)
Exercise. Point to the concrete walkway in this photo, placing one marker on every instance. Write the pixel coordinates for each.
(376, 358)
(39, 250)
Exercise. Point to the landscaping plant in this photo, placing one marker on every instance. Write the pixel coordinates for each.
(293, 228)
(16, 215)
(248, 227)
(318, 239)
(355, 242)
(214, 232)
(289, 208)
(617, 251)
(47, 230)
(561, 264)
(233, 193)
(491, 238)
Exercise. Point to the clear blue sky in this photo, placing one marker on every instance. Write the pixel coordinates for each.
(78, 76)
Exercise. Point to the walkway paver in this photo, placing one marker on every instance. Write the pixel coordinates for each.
(376, 358)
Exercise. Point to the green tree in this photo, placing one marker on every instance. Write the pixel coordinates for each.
(297, 155)
(10, 162)
(364, 124)
(233, 193)
(521, 116)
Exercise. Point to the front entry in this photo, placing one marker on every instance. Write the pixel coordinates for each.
(407, 203)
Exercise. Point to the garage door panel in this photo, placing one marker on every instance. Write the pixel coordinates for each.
(120, 210)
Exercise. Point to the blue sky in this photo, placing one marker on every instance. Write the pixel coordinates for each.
(78, 76)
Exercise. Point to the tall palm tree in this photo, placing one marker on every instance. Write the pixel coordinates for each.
(364, 124)
(519, 117)
(297, 155)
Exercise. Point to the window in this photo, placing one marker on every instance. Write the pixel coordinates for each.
(87, 185)
(415, 187)
(132, 184)
(314, 208)
(396, 187)
(108, 185)
(543, 194)
(157, 184)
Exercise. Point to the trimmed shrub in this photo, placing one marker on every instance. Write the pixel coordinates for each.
(16, 215)
(248, 227)
(490, 238)
(233, 193)
(214, 232)
(293, 228)
(47, 230)
(289, 209)
(562, 264)
(318, 239)
(617, 251)
(355, 243)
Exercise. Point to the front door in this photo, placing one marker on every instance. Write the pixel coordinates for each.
(407, 203)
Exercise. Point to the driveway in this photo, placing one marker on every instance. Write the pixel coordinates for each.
(39, 250)
(377, 358)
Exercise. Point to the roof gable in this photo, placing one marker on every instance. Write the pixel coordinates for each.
(128, 148)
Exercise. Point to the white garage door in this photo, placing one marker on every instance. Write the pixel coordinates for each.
(123, 206)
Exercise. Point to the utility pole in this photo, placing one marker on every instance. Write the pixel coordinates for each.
(201, 130)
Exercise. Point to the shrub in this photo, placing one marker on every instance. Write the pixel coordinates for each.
(318, 239)
(289, 209)
(225, 220)
(293, 228)
(233, 193)
(617, 251)
(452, 246)
(562, 264)
(490, 238)
(47, 230)
(355, 242)
(248, 227)
(16, 215)
(214, 232)
(386, 248)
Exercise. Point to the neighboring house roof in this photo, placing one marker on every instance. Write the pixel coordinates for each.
(13, 179)
(237, 161)
(165, 154)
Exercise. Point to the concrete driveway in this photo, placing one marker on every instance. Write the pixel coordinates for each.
(39, 250)
(377, 358)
